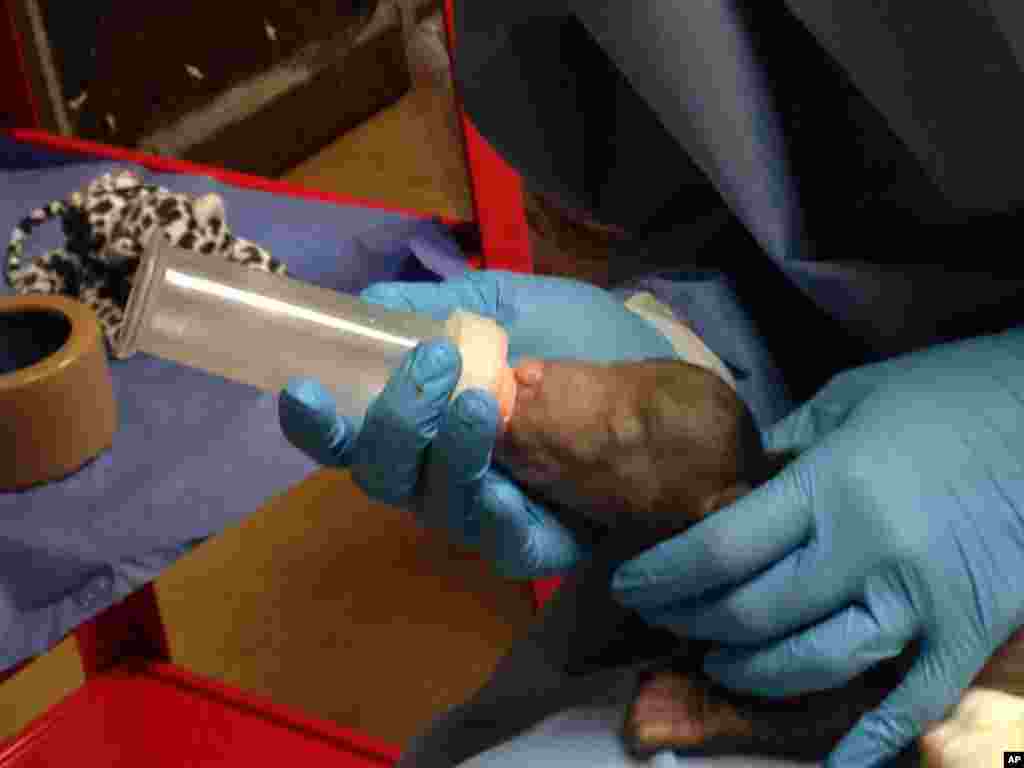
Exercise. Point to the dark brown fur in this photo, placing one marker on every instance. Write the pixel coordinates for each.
(642, 448)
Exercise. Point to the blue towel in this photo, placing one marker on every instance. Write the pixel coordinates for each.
(193, 453)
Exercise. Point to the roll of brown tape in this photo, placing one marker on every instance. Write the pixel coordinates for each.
(57, 412)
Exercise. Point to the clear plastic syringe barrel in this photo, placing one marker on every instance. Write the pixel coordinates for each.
(262, 329)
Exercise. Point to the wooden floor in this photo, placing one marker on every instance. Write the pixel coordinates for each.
(405, 155)
(321, 599)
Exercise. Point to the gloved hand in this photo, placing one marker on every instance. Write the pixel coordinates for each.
(418, 452)
(903, 518)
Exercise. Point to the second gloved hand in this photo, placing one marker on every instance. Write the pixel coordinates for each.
(902, 520)
(417, 451)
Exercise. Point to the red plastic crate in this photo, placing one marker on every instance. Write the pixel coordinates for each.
(145, 713)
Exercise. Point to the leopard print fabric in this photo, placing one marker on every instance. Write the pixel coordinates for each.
(107, 230)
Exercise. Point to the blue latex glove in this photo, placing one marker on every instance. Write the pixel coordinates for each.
(902, 518)
(418, 452)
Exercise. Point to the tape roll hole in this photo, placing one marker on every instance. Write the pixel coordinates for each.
(31, 336)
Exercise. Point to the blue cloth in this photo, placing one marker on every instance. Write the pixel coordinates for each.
(588, 737)
(193, 453)
(822, 153)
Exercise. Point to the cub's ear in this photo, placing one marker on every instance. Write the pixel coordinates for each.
(723, 498)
